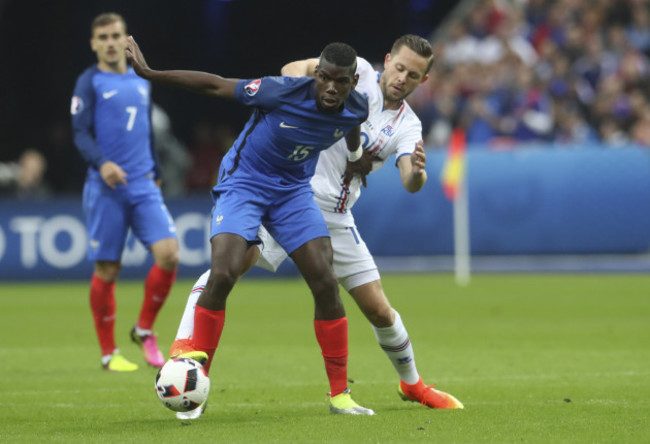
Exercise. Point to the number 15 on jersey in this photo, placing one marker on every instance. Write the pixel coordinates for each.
(300, 153)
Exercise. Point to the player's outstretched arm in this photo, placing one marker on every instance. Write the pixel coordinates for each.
(300, 68)
(411, 169)
(195, 81)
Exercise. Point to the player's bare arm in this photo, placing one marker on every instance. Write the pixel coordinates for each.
(195, 81)
(353, 139)
(300, 68)
(360, 168)
(359, 162)
(411, 169)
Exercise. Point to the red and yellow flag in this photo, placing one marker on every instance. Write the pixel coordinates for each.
(453, 172)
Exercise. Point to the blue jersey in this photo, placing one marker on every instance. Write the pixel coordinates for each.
(280, 143)
(111, 121)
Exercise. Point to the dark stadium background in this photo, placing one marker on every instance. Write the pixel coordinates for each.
(44, 47)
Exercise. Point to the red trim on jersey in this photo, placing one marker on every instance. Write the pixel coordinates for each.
(343, 197)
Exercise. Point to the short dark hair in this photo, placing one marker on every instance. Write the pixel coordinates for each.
(417, 44)
(104, 19)
(340, 54)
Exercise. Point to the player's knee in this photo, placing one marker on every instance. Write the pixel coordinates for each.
(323, 285)
(380, 315)
(168, 260)
(108, 271)
(327, 301)
(223, 278)
(165, 254)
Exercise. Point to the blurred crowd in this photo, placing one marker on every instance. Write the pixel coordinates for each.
(516, 72)
(513, 73)
(24, 178)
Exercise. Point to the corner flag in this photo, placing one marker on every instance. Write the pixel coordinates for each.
(454, 185)
(453, 172)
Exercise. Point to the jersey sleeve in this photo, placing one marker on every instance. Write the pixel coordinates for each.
(82, 110)
(367, 75)
(264, 93)
(409, 135)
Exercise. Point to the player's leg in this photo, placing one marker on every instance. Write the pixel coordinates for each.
(186, 326)
(330, 323)
(103, 308)
(394, 340)
(153, 225)
(159, 281)
(266, 253)
(313, 260)
(102, 305)
(388, 327)
(236, 217)
(183, 345)
(228, 256)
(201, 326)
(157, 286)
(107, 228)
(357, 272)
(299, 227)
(183, 341)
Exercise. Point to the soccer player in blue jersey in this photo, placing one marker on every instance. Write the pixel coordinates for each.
(111, 109)
(264, 178)
(392, 129)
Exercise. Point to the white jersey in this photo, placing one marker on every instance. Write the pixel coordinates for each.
(386, 132)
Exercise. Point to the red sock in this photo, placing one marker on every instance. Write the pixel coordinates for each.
(102, 305)
(156, 289)
(208, 325)
(332, 337)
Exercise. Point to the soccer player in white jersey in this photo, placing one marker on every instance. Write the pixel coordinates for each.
(392, 128)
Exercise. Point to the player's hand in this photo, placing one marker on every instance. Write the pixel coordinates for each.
(135, 57)
(361, 168)
(112, 174)
(418, 159)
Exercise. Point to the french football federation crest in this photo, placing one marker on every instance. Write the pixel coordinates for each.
(253, 87)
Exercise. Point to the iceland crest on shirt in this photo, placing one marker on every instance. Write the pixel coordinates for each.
(388, 130)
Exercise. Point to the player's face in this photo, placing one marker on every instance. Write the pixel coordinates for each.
(109, 43)
(403, 72)
(333, 85)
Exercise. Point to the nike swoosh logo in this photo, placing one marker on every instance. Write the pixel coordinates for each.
(284, 125)
(109, 94)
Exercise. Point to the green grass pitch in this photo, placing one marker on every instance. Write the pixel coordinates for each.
(534, 358)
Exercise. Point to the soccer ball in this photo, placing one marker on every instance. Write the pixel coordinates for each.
(182, 384)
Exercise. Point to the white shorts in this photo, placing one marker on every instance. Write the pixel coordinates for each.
(353, 263)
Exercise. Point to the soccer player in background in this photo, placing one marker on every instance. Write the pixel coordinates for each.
(264, 178)
(392, 128)
(111, 110)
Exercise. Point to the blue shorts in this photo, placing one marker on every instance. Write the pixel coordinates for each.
(110, 213)
(290, 215)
